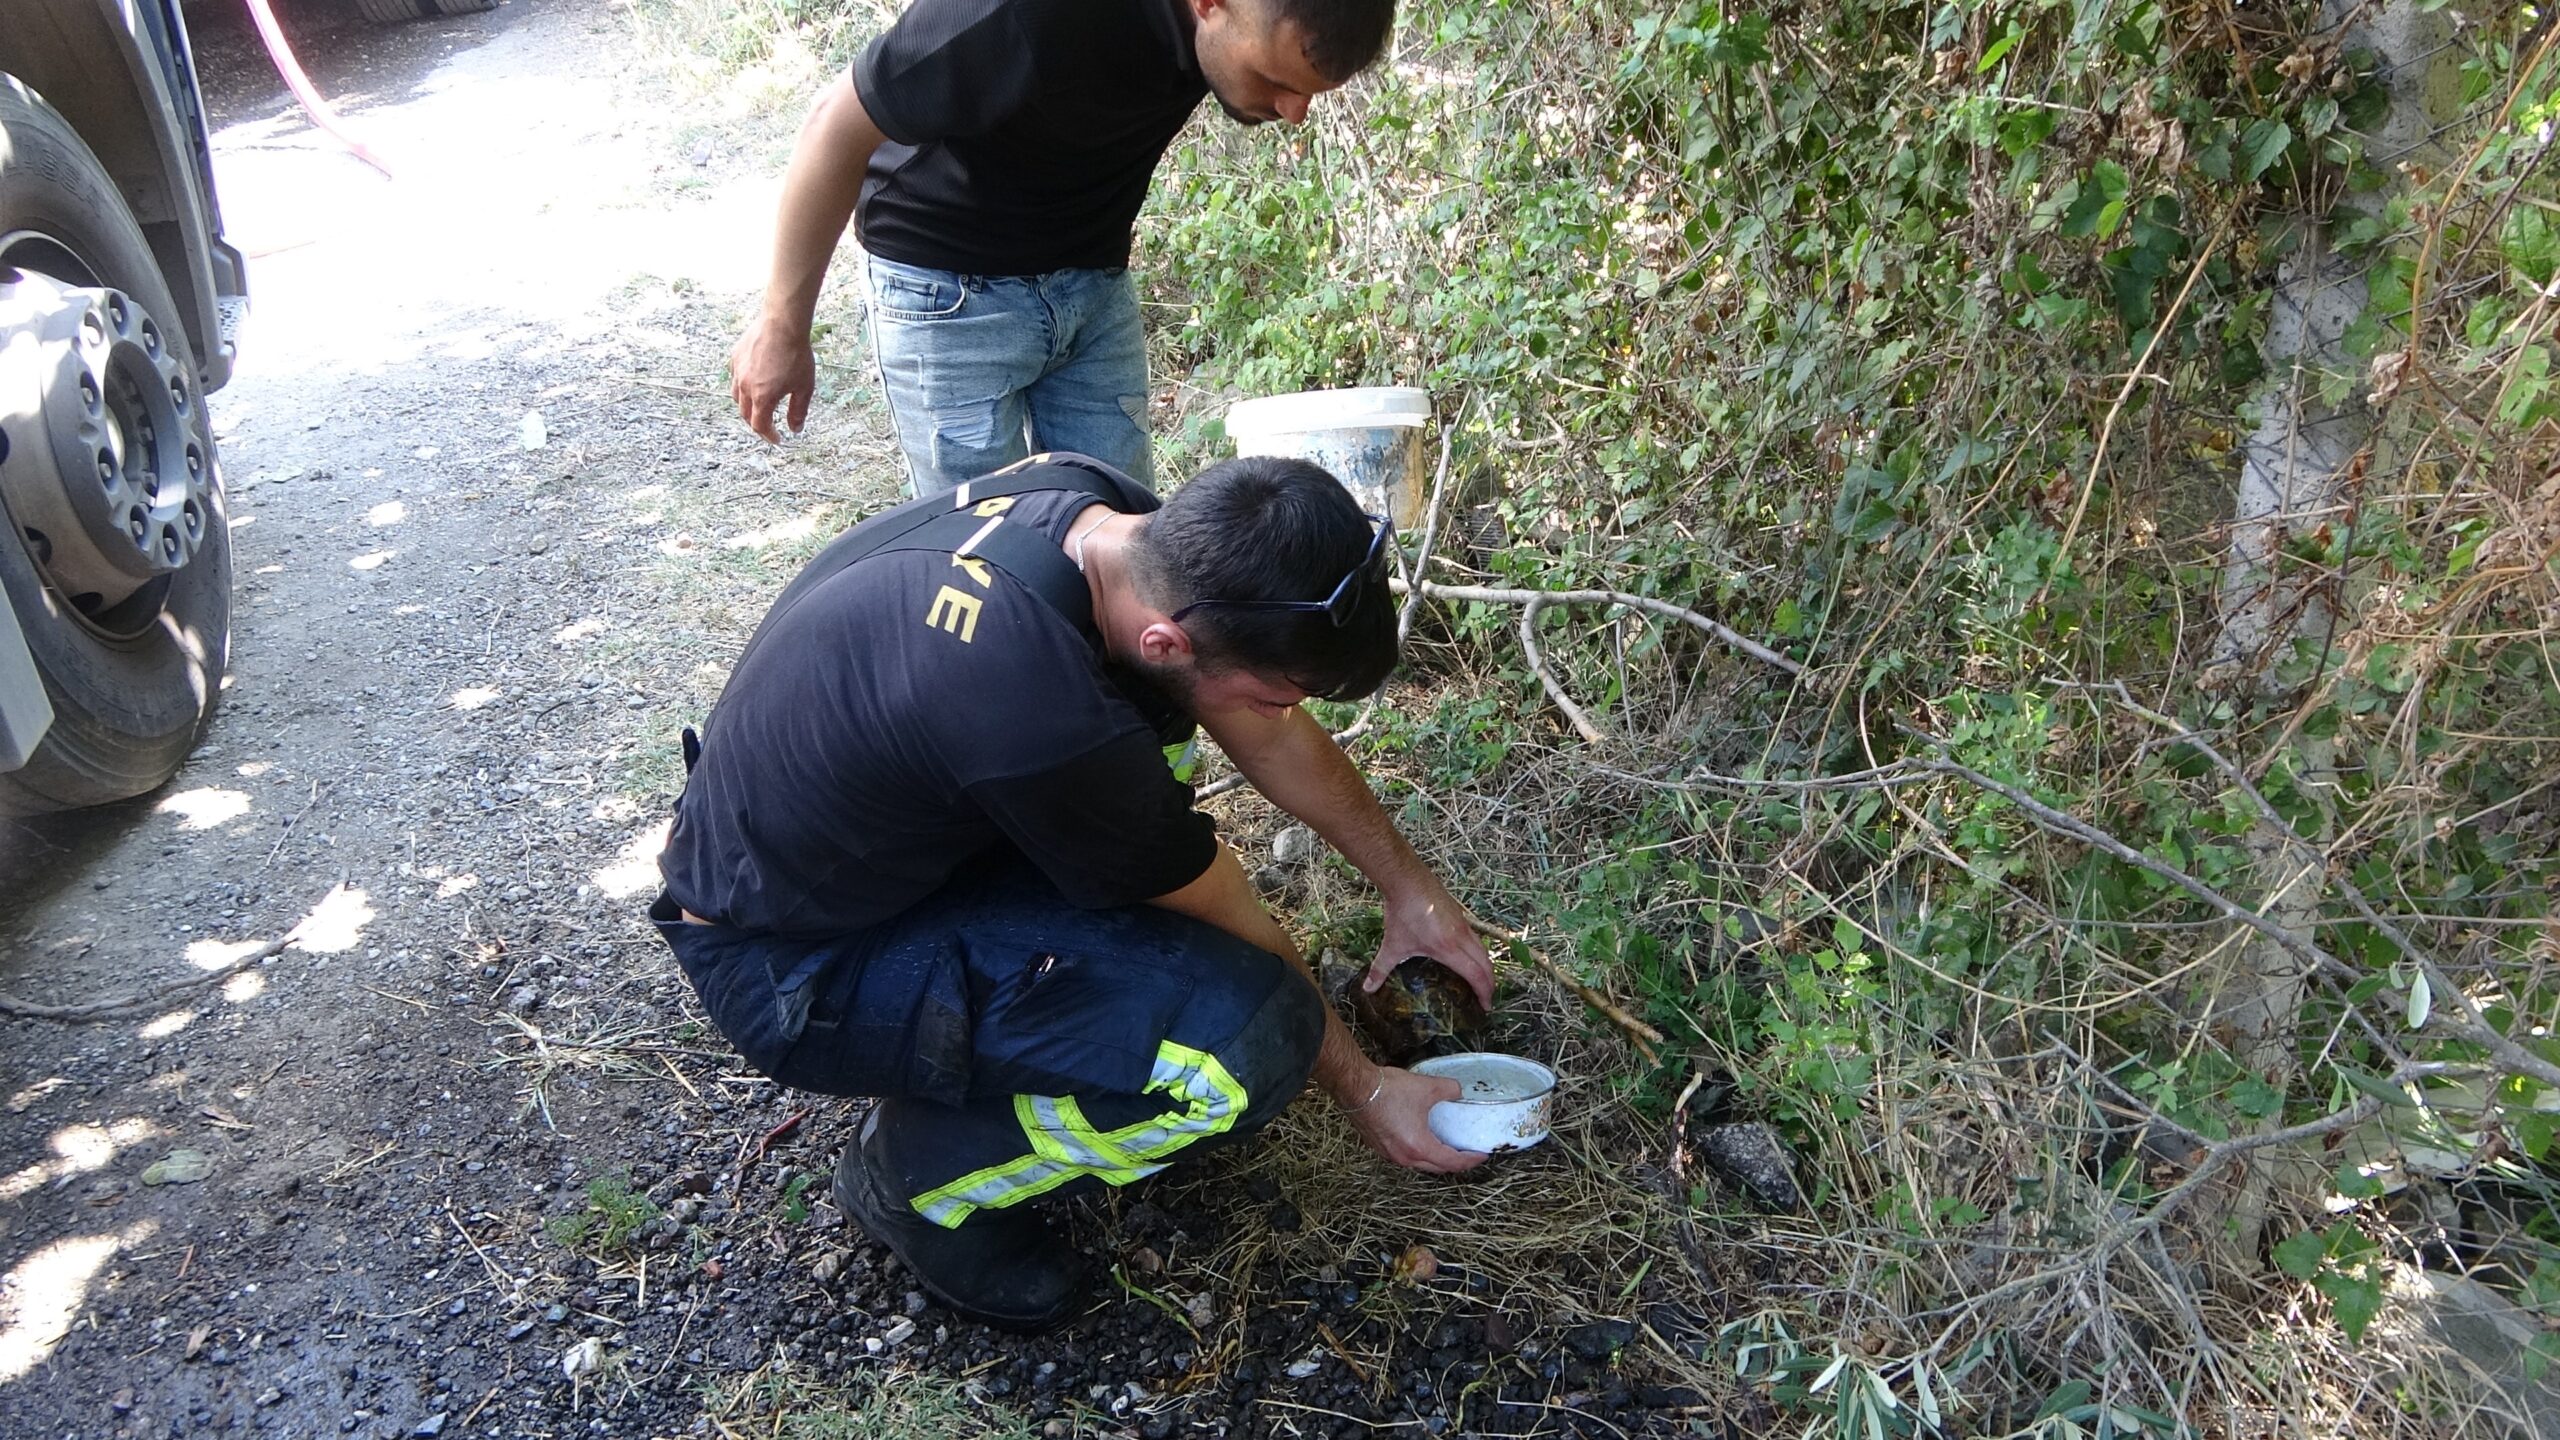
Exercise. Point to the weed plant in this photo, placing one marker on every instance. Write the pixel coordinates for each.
(2164, 1020)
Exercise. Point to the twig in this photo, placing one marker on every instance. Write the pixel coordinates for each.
(1431, 521)
(781, 1132)
(1644, 1036)
(1492, 595)
(2166, 1208)
(1538, 666)
(2098, 457)
(99, 1010)
(1344, 1351)
(2471, 1024)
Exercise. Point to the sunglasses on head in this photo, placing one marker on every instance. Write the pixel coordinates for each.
(1339, 606)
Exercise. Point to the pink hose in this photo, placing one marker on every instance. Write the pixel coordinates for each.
(300, 84)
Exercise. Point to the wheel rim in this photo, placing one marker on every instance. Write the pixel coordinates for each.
(101, 456)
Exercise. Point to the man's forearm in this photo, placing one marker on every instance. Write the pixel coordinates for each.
(1224, 898)
(819, 191)
(1296, 765)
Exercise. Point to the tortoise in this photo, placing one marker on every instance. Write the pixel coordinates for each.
(1423, 1009)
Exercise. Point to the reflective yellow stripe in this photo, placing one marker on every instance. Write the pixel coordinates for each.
(1065, 1146)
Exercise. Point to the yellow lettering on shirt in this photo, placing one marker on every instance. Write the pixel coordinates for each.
(995, 506)
(955, 611)
(976, 567)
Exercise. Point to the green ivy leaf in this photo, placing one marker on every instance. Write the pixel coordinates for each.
(2299, 1254)
(2256, 1098)
(2262, 145)
(2355, 1299)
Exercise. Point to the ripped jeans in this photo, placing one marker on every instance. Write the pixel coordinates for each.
(982, 370)
(1021, 1046)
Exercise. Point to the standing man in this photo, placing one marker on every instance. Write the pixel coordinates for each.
(998, 151)
(930, 850)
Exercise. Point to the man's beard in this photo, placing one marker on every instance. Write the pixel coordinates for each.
(1237, 115)
(1159, 691)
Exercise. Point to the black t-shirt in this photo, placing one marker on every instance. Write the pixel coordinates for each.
(1022, 132)
(905, 718)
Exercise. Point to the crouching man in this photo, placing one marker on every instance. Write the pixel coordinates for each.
(931, 849)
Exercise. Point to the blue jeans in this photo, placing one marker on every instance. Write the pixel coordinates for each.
(982, 370)
(1020, 1046)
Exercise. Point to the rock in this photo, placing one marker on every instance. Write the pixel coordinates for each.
(531, 432)
(520, 1329)
(829, 1266)
(525, 1000)
(914, 1302)
(1201, 1310)
(582, 1359)
(2494, 1338)
(898, 1332)
(1600, 1339)
(1306, 1365)
(1284, 1218)
(431, 1426)
(1273, 880)
(1295, 846)
(1751, 1154)
(178, 1167)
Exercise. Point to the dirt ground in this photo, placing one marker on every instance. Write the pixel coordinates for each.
(470, 1164)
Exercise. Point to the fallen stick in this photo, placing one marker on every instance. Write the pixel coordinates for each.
(1490, 595)
(1644, 1036)
(1582, 725)
(11, 1005)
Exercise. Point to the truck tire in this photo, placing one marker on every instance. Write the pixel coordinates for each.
(131, 642)
(394, 12)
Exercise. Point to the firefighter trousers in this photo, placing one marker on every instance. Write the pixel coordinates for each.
(1019, 1046)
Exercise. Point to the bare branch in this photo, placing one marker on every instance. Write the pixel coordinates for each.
(1492, 595)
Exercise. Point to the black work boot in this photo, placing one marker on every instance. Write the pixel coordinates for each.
(1001, 1267)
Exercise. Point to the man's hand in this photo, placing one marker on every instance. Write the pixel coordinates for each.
(1426, 920)
(771, 364)
(1397, 1123)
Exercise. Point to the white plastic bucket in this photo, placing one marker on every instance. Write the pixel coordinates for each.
(1369, 438)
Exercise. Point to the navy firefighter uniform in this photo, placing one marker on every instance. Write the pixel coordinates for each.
(922, 826)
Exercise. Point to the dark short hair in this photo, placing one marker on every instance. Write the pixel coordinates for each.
(1261, 527)
(1343, 37)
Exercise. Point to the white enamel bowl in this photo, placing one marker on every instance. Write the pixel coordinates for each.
(1504, 1106)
